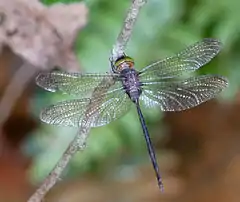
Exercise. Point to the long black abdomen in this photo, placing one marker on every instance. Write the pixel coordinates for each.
(131, 84)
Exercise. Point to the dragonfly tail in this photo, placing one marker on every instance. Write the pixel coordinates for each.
(150, 147)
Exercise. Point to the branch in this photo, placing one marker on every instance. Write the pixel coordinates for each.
(126, 32)
(80, 139)
(13, 91)
(55, 174)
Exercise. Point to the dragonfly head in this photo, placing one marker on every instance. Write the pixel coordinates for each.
(124, 62)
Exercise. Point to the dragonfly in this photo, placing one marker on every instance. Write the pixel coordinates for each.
(166, 84)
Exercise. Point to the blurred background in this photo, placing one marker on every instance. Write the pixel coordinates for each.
(198, 150)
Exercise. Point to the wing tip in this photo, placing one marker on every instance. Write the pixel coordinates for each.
(224, 81)
(213, 41)
(45, 81)
(43, 115)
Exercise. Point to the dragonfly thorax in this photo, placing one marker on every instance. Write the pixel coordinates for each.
(131, 83)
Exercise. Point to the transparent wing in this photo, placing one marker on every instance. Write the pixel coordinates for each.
(97, 111)
(78, 84)
(190, 59)
(181, 95)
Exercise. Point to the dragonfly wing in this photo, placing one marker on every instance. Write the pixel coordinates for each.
(66, 113)
(77, 84)
(181, 95)
(188, 60)
(96, 111)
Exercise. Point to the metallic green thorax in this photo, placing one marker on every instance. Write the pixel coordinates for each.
(123, 59)
(123, 62)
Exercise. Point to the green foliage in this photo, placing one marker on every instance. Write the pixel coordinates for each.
(163, 28)
(49, 2)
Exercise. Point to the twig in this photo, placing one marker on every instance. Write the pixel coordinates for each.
(80, 139)
(55, 174)
(14, 90)
(126, 32)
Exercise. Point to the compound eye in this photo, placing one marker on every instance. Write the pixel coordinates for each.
(123, 63)
(130, 64)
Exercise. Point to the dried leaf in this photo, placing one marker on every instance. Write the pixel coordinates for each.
(43, 36)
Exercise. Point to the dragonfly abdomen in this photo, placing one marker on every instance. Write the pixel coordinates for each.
(131, 83)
